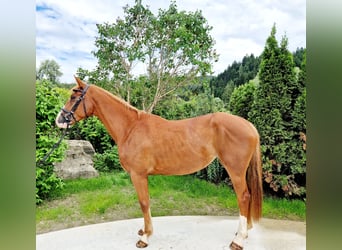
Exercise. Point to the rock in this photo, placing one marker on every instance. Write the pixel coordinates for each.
(78, 161)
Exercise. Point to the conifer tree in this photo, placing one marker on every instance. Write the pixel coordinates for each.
(277, 100)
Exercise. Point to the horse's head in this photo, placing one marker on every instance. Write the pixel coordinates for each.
(77, 107)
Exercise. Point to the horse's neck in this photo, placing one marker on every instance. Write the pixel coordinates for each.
(116, 116)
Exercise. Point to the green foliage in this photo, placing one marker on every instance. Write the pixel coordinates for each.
(235, 75)
(48, 104)
(298, 57)
(47, 183)
(299, 114)
(241, 100)
(190, 101)
(278, 112)
(228, 91)
(174, 46)
(108, 161)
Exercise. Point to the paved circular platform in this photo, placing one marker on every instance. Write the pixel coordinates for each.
(176, 232)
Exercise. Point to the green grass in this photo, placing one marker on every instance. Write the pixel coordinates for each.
(112, 197)
(284, 209)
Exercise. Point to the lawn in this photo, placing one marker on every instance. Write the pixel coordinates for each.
(111, 196)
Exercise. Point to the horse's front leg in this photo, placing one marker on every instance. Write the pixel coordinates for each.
(141, 186)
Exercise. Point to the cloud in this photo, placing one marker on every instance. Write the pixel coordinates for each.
(66, 30)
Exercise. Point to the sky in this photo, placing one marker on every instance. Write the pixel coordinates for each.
(66, 30)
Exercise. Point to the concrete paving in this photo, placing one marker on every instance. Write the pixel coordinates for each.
(177, 232)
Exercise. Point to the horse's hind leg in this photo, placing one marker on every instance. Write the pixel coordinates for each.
(243, 196)
(141, 186)
(237, 172)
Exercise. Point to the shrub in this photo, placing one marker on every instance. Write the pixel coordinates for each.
(108, 160)
(49, 100)
(241, 99)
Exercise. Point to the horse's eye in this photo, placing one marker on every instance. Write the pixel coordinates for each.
(72, 98)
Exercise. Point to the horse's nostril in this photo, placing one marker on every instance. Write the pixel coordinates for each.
(61, 119)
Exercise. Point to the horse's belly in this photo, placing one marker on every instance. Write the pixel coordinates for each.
(181, 164)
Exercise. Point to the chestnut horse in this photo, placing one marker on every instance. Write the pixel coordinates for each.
(150, 145)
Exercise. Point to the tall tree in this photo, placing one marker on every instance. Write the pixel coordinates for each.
(272, 112)
(49, 70)
(173, 47)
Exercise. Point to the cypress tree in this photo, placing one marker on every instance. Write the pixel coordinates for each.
(277, 100)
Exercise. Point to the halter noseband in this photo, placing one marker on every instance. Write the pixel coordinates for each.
(69, 115)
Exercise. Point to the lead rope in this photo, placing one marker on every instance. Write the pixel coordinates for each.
(56, 145)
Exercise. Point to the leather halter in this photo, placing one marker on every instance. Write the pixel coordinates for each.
(69, 115)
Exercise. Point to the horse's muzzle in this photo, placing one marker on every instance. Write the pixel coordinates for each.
(63, 120)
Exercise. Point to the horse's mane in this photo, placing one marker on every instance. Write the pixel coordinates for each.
(119, 99)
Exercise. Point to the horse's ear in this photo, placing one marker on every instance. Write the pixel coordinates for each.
(80, 83)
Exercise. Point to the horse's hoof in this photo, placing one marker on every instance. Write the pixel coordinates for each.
(141, 232)
(234, 246)
(141, 244)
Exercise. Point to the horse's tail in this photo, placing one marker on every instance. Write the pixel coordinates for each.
(254, 182)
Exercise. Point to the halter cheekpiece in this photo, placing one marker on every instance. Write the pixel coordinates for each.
(69, 115)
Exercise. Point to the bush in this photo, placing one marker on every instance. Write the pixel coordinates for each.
(242, 98)
(46, 183)
(49, 101)
(108, 160)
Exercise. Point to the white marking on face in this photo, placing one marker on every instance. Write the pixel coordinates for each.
(60, 125)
